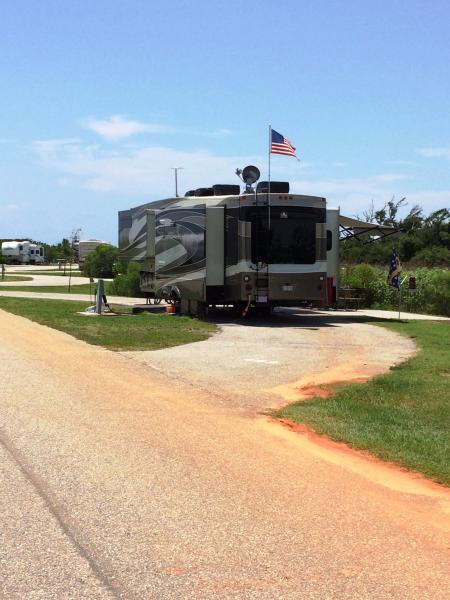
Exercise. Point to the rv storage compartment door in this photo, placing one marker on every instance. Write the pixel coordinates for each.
(215, 245)
(148, 265)
(151, 232)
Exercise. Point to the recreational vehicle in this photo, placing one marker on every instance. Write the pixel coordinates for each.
(22, 253)
(262, 248)
(218, 246)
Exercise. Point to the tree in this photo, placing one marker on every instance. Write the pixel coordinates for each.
(424, 240)
(62, 250)
(100, 262)
(388, 214)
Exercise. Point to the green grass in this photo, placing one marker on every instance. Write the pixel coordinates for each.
(14, 278)
(75, 288)
(403, 416)
(131, 332)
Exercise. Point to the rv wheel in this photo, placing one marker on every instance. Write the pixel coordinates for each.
(174, 298)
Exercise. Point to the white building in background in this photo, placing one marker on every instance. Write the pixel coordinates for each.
(85, 247)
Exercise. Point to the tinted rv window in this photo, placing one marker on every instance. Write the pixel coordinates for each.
(290, 238)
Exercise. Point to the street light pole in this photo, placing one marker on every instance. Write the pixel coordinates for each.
(176, 169)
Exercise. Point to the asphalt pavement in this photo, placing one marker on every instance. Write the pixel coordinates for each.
(119, 481)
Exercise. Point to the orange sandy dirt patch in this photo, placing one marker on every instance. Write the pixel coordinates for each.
(372, 468)
(319, 384)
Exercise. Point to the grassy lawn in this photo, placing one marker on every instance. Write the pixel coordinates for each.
(131, 332)
(84, 288)
(403, 416)
(14, 278)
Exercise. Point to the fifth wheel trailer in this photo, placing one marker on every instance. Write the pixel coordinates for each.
(218, 246)
(212, 247)
(22, 253)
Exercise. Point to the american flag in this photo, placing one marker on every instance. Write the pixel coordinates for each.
(281, 145)
(395, 269)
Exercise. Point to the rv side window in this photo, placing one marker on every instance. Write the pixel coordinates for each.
(329, 240)
(21, 247)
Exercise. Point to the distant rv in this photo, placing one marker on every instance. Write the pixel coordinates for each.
(22, 253)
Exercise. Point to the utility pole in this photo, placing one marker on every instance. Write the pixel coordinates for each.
(176, 169)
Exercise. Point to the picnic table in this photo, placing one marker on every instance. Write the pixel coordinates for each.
(350, 298)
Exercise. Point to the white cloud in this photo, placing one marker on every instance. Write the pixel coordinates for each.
(219, 133)
(146, 172)
(8, 209)
(118, 127)
(443, 152)
(430, 199)
(400, 163)
(137, 171)
(47, 148)
(354, 195)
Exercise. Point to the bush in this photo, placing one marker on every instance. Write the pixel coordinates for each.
(127, 284)
(433, 256)
(432, 295)
(361, 276)
(100, 262)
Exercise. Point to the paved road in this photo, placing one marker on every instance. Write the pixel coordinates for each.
(40, 277)
(121, 484)
(44, 280)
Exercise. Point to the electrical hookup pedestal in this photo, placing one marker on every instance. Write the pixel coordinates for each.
(101, 302)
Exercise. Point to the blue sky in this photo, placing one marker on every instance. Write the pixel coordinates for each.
(101, 98)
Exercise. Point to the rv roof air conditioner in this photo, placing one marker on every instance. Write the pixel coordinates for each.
(276, 187)
(206, 191)
(221, 189)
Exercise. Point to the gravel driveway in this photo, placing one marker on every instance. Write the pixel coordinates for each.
(263, 364)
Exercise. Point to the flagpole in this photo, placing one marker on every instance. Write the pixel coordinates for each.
(270, 147)
(268, 186)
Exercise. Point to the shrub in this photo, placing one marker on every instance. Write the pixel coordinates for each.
(361, 276)
(100, 262)
(432, 295)
(127, 284)
(433, 256)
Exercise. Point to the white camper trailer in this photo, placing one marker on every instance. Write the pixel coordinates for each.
(22, 253)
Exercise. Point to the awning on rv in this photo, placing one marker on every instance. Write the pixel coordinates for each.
(369, 232)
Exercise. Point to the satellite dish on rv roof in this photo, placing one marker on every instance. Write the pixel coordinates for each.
(250, 174)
